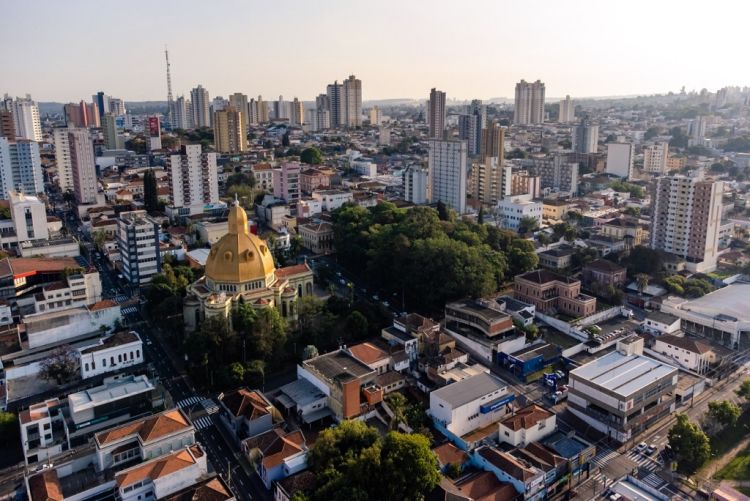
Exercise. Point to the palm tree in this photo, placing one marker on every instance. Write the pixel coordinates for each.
(641, 281)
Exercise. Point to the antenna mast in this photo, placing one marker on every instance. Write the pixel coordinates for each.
(170, 105)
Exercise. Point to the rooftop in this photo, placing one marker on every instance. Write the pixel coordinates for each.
(109, 391)
(367, 353)
(543, 276)
(242, 402)
(623, 375)
(604, 265)
(526, 417)
(338, 366)
(470, 389)
(484, 486)
(116, 339)
(661, 317)
(546, 350)
(732, 302)
(691, 344)
(478, 307)
(148, 429)
(212, 489)
(160, 467)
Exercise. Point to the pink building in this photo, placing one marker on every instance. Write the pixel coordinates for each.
(313, 179)
(286, 182)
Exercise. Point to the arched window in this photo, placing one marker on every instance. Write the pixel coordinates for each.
(299, 290)
(138, 353)
(104, 362)
(86, 367)
(119, 358)
(112, 360)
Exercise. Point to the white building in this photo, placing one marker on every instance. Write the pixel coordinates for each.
(331, 200)
(20, 167)
(567, 110)
(63, 161)
(77, 290)
(655, 158)
(448, 166)
(29, 217)
(44, 432)
(138, 243)
(686, 352)
(25, 117)
(122, 349)
(56, 327)
(83, 165)
(658, 323)
(193, 179)
(470, 404)
(200, 107)
(528, 424)
(512, 210)
(529, 103)
(416, 184)
(364, 167)
(117, 398)
(620, 159)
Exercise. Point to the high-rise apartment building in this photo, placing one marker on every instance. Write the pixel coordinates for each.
(201, 107)
(655, 158)
(183, 113)
(416, 184)
(83, 165)
(102, 103)
(82, 114)
(352, 102)
(620, 159)
(477, 108)
(20, 167)
(253, 118)
(63, 162)
(264, 114)
(286, 182)
(25, 117)
(193, 177)
(436, 114)
(490, 181)
(697, 128)
(448, 164)
(493, 143)
(470, 130)
(375, 116)
(335, 94)
(138, 243)
(297, 112)
(7, 127)
(281, 109)
(556, 173)
(239, 102)
(109, 128)
(529, 107)
(585, 137)
(230, 135)
(116, 106)
(685, 219)
(567, 111)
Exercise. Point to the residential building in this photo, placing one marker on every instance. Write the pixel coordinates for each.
(83, 165)
(44, 433)
(659, 323)
(527, 479)
(521, 183)
(125, 347)
(447, 163)
(72, 291)
(622, 393)
(230, 135)
(332, 199)
(567, 111)
(28, 216)
(556, 173)
(556, 209)
(281, 110)
(526, 425)
(335, 101)
(585, 137)
(686, 352)
(239, 102)
(200, 102)
(138, 243)
(102, 103)
(470, 404)
(352, 102)
(512, 211)
(557, 258)
(286, 182)
(605, 273)
(317, 237)
(109, 128)
(263, 173)
(297, 112)
(470, 130)
(20, 167)
(685, 219)
(25, 114)
(436, 113)
(529, 103)
(276, 454)
(247, 413)
(193, 178)
(493, 143)
(625, 229)
(376, 117)
(620, 159)
(416, 184)
(183, 113)
(550, 292)
(490, 182)
(314, 179)
(7, 127)
(655, 158)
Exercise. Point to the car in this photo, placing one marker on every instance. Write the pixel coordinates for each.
(376, 297)
(650, 449)
(149, 342)
(386, 304)
(342, 281)
(641, 447)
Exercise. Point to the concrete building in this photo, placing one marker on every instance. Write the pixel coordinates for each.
(26, 120)
(376, 118)
(604, 273)
(200, 107)
(193, 178)
(20, 167)
(526, 425)
(44, 433)
(436, 113)
(109, 128)
(686, 352)
(620, 159)
(686, 218)
(7, 127)
(566, 111)
(490, 182)
(529, 103)
(550, 292)
(317, 237)
(470, 130)
(556, 173)
(239, 102)
(623, 392)
(28, 217)
(493, 143)
(557, 258)
(655, 158)
(659, 323)
(286, 182)
(447, 163)
(314, 179)
(332, 199)
(297, 112)
(352, 101)
(138, 243)
(246, 413)
(83, 165)
(512, 210)
(585, 137)
(183, 113)
(230, 135)
(122, 349)
(263, 173)
(335, 101)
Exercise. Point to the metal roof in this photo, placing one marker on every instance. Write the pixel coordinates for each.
(623, 375)
(469, 389)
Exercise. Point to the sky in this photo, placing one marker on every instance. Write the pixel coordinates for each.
(69, 50)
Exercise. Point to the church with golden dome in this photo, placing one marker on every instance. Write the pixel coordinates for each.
(240, 269)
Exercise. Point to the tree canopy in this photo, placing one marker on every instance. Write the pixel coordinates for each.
(311, 156)
(689, 444)
(61, 366)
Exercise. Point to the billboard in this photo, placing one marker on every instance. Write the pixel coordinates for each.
(154, 127)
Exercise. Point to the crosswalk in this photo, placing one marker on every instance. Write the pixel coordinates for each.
(604, 456)
(129, 310)
(203, 422)
(121, 298)
(189, 401)
(644, 462)
(210, 406)
(654, 480)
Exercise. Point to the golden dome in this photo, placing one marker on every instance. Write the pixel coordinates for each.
(239, 256)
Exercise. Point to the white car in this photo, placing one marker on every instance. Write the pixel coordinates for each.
(641, 447)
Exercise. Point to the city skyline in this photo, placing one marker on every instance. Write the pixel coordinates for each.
(319, 44)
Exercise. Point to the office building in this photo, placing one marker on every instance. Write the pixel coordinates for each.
(585, 137)
(447, 163)
(470, 130)
(7, 127)
(335, 95)
(620, 159)
(436, 114)
(511, 211)
(230, 134)
(82, 165)
(193, 178)
(685, 219)
(25, 117)
(239, 102)
(623, 392)
(352, 102)
(493, 143)
(116, 106)
(109, 128)
(375, 116)
(529, 103)
(655, 158)
(286, 182)
(138, 243)
(20, 167)
(567, 111)
(477, 108)
(416, 184)
(200, 107)
(183, 113)
(102, 103)
(29, 217)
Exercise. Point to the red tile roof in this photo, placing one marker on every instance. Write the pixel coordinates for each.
(45, 486)
(148, 429)
(290, 271)
(526, 417)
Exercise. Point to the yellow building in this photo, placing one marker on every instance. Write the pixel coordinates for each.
(240, 269)
(555, 209)
(230, 135)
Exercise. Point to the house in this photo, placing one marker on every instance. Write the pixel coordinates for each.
(557, 258)
(409, 331)
(276, 454)
(480, 486)
(303, 482)
(554, 466)
(526, 425)
(550, 292)
(688, 352)
(213, 489)
(44, 431)
(246, 413)
(448, 454)
(604, 272)
(659, 323)
(528, 480)
(372, 356)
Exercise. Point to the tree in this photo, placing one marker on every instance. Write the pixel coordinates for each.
(651, 133)
(644, 260)
(744, 390)
(641, 281)
(357, 325)
(442, 210)
(9, 431)
(480, 216)
(99, 237)
(453, 470)
(311, 156)
(61, 366)
(689, 444)
(528, 224)
(255, 373)
(408, 467)
(398, 404)
(150, 193)
(723, 412)
(309, 352)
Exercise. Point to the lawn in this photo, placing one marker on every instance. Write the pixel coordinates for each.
(739, 467)
(555, 337)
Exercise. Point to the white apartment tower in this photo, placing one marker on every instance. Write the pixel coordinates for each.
(620, 159)
(183, 113)
(352, 102)
(375, 116)
(20, 167)
(529, 107)
(201, 107)
(567, 111)
(436, 114)
(416, 184)
(138, 243)
(448, 165)
(193, 177)
(83, 165)
(655, 158)
(685, 219)
(585, 137)
(62, 159)
(25, 117)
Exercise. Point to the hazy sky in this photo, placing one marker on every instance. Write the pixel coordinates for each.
(68, 49)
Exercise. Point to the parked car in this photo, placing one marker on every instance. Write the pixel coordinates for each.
(641, 447)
